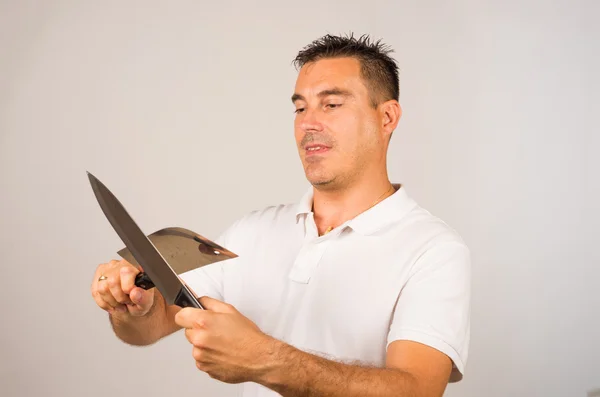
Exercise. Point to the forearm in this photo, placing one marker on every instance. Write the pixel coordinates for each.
(145, 330)
(296, 373)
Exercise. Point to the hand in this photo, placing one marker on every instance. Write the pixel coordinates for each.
(226, 345)
(118, 292)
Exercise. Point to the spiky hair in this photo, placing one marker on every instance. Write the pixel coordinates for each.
(378, 69)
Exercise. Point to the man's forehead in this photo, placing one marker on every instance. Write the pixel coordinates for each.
(330, 67)
(329, 74)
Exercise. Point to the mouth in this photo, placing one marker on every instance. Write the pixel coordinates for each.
(314, 149)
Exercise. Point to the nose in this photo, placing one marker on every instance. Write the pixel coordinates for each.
(310, 120)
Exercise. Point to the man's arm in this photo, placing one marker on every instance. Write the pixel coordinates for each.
(412, 370)
(229, 347)
(436, 298)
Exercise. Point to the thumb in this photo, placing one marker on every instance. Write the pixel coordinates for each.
(141, 297)
(216, 305)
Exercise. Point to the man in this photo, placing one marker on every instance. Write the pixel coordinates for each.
(353, 291)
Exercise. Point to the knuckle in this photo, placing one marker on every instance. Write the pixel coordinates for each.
(216, 376)
(113, 282)
(202, 366)
(122, 299)
(102, 304)
(128, 273)
(198, 340)
(109, 265)
(102, 288)
(195, 338)
(125, 264)
(197, 354)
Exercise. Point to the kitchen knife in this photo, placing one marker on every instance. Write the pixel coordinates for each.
(154, 265)
(183, 249)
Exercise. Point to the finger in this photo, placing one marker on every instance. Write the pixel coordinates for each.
(141, 301)
(210, 369)
(104, 291)
(216, 305)
(114, 285)
(128, 274)
(97, 275)
(200, 355)
(197, 337)
(101, 270)
(101, 302)
(190, 317)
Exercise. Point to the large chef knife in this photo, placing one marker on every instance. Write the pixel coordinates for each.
(183, 249)
(141, 248)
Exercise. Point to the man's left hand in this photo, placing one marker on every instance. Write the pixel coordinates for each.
(226, 345)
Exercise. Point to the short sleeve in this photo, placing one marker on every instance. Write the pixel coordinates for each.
(209, 280)
(434, 306)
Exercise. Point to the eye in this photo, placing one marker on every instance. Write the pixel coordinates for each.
(333, 105)
(299, 110)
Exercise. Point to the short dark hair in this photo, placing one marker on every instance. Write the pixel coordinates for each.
(379, 70)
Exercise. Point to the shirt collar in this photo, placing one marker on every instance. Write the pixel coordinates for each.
(387, 211)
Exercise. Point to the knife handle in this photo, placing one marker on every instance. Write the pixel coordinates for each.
(142, 280)
(184, 299)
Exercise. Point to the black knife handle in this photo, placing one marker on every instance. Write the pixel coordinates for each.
(142, 280)
(183, 299)
(186, 299)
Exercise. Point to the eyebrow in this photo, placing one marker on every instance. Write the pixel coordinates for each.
(324, 93)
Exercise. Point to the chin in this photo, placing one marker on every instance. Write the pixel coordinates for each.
(320, 183)
(317, 175)
(320, 180)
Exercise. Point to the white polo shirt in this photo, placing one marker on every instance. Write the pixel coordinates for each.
(393, 272)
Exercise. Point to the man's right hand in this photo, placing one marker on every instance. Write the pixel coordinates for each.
(118, 292)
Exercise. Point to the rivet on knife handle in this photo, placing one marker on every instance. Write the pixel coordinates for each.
(142, 280)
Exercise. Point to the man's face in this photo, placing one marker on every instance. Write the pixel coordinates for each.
(337, 130)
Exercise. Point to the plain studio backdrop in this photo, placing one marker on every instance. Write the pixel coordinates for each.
(183, 109)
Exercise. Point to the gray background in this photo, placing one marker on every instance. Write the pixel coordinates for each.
(182, 109)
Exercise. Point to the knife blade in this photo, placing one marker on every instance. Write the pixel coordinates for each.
(183, 249)
(154, 265)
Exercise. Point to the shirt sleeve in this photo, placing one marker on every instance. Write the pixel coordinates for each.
(434, 306)
(209, 280)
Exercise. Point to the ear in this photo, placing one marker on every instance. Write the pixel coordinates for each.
(391, 112)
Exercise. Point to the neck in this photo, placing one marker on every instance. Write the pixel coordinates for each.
(332, 207)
